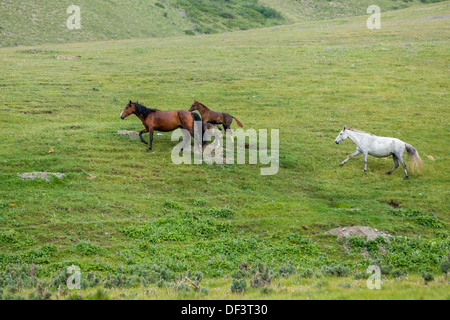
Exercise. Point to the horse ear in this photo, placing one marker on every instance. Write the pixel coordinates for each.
(345, 127)
(129, 102)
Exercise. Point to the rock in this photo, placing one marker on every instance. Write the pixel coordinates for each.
(40, 175)
(130, 134)
(365, 232)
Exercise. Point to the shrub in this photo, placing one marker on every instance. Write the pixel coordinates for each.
(306, 273)
(356, 243)
(204, 291)
(287, 269)
(385, 269)
(261, 275)
(399, 273)
(238, 285)
(345, 285)
(182, 289)
(86, 248)
(360, 275)
(445, 266)
(337, 270)
(40, 294)
(239, 274)
(133, 281)
(427, 276)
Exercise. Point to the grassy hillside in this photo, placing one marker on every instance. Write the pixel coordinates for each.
(30, 22)
(311, 10)
(130, 218)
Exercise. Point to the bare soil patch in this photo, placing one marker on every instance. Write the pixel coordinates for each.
(365, 232)
(130, 134)
(40, 175)
(68, 57)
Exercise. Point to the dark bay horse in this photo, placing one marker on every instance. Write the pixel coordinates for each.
(210, 116)
(160, 120)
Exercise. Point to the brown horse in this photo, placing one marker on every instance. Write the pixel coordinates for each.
(209, 116)
(160, 120)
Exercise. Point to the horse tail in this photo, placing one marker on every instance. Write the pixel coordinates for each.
(202, 128)
(238, 122)
(416, 162)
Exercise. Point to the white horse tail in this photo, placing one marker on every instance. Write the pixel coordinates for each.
(416, 162)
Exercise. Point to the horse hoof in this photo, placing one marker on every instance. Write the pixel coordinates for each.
(405, 178)
(147, 150)
(387, 172)
(341, 164)
(364, 170)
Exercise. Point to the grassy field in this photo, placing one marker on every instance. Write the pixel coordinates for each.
(28, 22)
(134, 222)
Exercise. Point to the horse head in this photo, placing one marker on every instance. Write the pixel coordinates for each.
(129, 109)
(341, 136)
(194, 106)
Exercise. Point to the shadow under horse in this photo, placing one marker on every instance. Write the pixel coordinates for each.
(164, 121)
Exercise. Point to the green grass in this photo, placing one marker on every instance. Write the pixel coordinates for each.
(30, 23)
(308, 80)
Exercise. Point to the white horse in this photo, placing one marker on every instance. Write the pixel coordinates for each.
(367, 143)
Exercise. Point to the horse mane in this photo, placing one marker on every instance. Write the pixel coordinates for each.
(198, 102)
(356, 130)
(143, 110)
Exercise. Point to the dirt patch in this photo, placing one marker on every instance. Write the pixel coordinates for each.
(365, 232)
(68, 57)
(40, 175)
(36, 112)
(129, 134)
(393, 204)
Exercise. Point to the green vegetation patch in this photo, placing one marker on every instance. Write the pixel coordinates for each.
(424, 219)
(180, 227)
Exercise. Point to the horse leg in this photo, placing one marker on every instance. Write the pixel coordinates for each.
(366, 154)
(350, 156)
(404, 166)
(151, 140)
(395, 165)
(226, 127)
(186, 138)
(140, 135)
